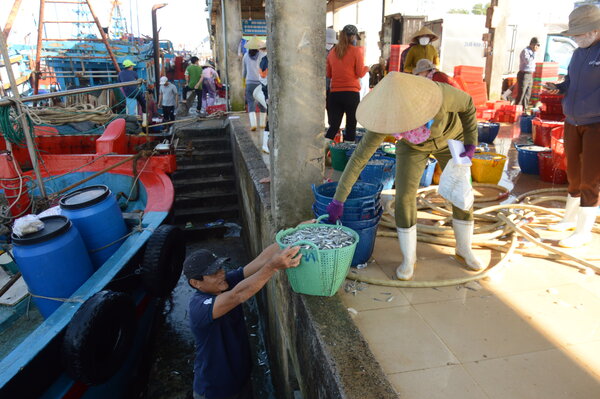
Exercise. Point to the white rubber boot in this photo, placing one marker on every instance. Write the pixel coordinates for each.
(463, 232)
(570, 218)
(408, 246)
(583, 231)
(262, 120)
(265, 146)
(252, 116)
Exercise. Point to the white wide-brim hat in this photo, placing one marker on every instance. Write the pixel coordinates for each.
(400, 102)
(582, 20)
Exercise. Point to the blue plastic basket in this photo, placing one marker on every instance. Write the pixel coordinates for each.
(360, 194)
(365, 246)
(487, 132)
(380, 170)
(528, 160)
(351, 214)
(428, 173)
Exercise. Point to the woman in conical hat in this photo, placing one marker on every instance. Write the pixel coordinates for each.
(250, 68)
(422, 49)
(423, 115)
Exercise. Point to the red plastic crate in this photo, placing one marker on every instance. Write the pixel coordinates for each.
(544, 130)
(211, 109)
(469, 73)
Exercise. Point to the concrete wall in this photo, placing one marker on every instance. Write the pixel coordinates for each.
(313, 345)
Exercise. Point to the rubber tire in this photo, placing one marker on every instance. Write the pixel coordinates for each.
(163, 260)
(99, 337)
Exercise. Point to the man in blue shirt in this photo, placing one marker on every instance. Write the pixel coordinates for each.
(525, 75)
(129, 75)
(222, 364)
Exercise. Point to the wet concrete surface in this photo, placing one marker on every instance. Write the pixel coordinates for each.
(171, 376)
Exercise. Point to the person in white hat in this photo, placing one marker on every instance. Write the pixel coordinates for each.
(422, 48)
(167, 98)
(581, 106)
(250, 72)
(426, 69)
(423, 115)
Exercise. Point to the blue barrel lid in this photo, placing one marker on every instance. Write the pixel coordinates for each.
(54, 226)
(84, 197)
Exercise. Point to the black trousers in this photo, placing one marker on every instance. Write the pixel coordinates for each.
(338, 104)
(169, 113)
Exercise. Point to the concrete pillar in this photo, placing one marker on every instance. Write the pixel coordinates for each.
(296, 50)
(219, 48)
(495, 65)
(233, 22)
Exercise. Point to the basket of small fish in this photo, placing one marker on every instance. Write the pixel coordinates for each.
(327, 252)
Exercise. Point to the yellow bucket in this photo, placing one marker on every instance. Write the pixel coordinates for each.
(488, 170)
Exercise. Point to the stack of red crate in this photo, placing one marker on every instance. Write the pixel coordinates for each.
(551, 107)
(544, 72)
(395, 54)
(470, 78)
(508, 113)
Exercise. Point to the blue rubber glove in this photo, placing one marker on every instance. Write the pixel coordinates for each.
(469, 151)
(335, 209)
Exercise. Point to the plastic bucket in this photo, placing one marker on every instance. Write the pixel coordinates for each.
(355, 224)
(97, 216)
(549, 172)
(525, 123)
(558, 153)
(380, 170)
(487, 170)
(54, 262)
(321, 272)
(528, 159)
(487, 132)
(338, 157)
(365, 246)
(360, 194)
(427, 176)
(542, 131)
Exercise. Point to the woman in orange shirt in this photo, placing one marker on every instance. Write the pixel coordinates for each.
(345, 66)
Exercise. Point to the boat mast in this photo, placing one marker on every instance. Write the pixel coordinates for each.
(11, 18)
(24, 123)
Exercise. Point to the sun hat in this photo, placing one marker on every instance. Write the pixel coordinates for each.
(399, 103)
(330, 36)
(128, 63)
(202, 263)
(350, 30)
(582, 20)
(163, 80)
(424, 32)
(423, 65)
(254, 43)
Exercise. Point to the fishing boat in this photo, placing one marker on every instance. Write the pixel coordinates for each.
(92, 344)
(21, 71)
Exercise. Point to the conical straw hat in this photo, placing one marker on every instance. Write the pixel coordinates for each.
(254, 43)
(399, 103)
(424, 31)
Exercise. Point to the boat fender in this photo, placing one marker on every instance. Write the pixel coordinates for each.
(99, 337)
(163, 260)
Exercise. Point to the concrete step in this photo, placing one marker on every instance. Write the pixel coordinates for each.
(206, 198)
(205, 214)
(203, 232)
(194, 133)
(205, 156)
(207, 143)
(203, 170)
(204, 183)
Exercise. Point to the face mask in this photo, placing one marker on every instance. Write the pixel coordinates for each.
(424, 41)
(328, 46)
(354, 42)
(418, 135)
(586, 40)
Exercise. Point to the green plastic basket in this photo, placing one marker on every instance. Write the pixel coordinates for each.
(321, 272)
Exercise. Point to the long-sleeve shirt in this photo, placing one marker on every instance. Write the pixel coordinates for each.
(455, 116)
(581, 104)
(345, 72)
(418, 52)
(250, 68)
(128, 75)
(527, 60)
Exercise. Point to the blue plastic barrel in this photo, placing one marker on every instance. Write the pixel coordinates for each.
(96, 214)
(53, 261)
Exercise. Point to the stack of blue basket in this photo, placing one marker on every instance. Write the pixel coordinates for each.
(380, 170)
(362, 212)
